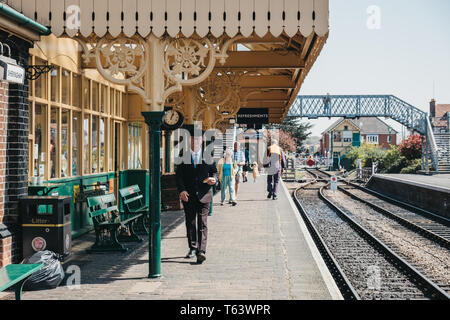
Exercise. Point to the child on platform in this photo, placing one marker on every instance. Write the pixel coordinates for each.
(255, 171)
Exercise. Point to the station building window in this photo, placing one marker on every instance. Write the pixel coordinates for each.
(54, 84)
(372, 139)
(65, 130)
(134, 146)
(71, 118)
(40, 139)
(86, 144)
(76, 130)
(66, 89)
(54, 142)
(40, 85)
(348, 136)
(337, 137)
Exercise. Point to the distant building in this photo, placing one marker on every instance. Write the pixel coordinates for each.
(440, 116)
(350, 133)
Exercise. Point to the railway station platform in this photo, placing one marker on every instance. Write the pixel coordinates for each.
(431, 193)
(258, 250)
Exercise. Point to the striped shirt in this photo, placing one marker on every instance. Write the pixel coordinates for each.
(239, 157)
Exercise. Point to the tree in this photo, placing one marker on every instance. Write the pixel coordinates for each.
(411, 148)
(285, 140)
(297, 129)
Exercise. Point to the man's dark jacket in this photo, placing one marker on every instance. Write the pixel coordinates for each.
(191, 179)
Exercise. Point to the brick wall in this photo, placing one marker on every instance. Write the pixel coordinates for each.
(5, 240)
(14, 152)
(383, 140)
(325, 143)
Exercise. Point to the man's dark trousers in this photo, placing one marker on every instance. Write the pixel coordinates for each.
(273, 181)
(191, 179)
(196, 223)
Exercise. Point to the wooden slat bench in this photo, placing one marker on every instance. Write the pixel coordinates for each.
(107, 224)
(15, 275)
(134, 204)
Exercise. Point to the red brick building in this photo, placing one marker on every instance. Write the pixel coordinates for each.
(348, 133)
(440, 116)
(14, 130)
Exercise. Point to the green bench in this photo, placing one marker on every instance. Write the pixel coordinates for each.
(134, 204)
(15, 275)
(109, 226)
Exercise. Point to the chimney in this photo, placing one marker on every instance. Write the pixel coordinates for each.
(433, 108)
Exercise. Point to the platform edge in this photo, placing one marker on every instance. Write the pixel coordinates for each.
(326, 275)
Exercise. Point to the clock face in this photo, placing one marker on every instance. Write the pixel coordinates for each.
(172, 120)
(172, 117)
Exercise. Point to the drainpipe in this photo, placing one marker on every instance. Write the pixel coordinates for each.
(23, 20)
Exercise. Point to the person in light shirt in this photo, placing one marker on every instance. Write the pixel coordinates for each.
(227, 169)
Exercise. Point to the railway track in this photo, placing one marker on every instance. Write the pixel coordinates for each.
(363, 266)
(421, 222)
(427, 224)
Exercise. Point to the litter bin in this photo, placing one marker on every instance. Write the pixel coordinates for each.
(46, 225)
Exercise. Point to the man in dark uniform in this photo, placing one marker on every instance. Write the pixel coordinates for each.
(194, 181)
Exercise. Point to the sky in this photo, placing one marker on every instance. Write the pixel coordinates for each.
(404, 57)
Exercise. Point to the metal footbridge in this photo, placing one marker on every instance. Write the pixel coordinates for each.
(356, 106)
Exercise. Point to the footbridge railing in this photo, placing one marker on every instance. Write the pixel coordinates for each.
(355, 106)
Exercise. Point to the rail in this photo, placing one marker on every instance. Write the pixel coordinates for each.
(428, 287)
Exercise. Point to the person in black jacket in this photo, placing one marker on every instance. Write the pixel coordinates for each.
(194, 181)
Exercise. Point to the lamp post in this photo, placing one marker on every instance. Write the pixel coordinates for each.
(154, 120)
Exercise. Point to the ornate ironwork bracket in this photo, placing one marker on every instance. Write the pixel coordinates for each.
(34, 72)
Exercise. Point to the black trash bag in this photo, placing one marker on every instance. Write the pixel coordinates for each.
(49, 276)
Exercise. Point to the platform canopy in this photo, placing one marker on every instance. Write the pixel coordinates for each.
(217, 17)
(206, 58)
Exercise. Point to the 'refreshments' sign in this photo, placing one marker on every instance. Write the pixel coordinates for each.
(253, 116)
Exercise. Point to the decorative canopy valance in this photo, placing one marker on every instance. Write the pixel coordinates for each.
(157, 17)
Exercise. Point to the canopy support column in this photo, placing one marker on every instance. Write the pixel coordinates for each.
(168, 145)
(154, 120)
(154, 89)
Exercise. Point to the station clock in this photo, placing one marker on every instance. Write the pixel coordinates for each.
(173, 120)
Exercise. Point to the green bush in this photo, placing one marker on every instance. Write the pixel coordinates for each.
(393, 161)
(368, 153)
(414, 166)
(389, 161)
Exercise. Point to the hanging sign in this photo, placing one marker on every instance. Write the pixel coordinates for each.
(253, 116)
(10, 71)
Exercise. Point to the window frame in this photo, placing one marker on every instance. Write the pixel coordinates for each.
(85, 108)
(372, 139)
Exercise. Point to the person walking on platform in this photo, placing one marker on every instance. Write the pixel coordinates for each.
(276, 163)
(194, 181)
(246, 167)
(239, 158)
(255, 171)
(227, 169)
